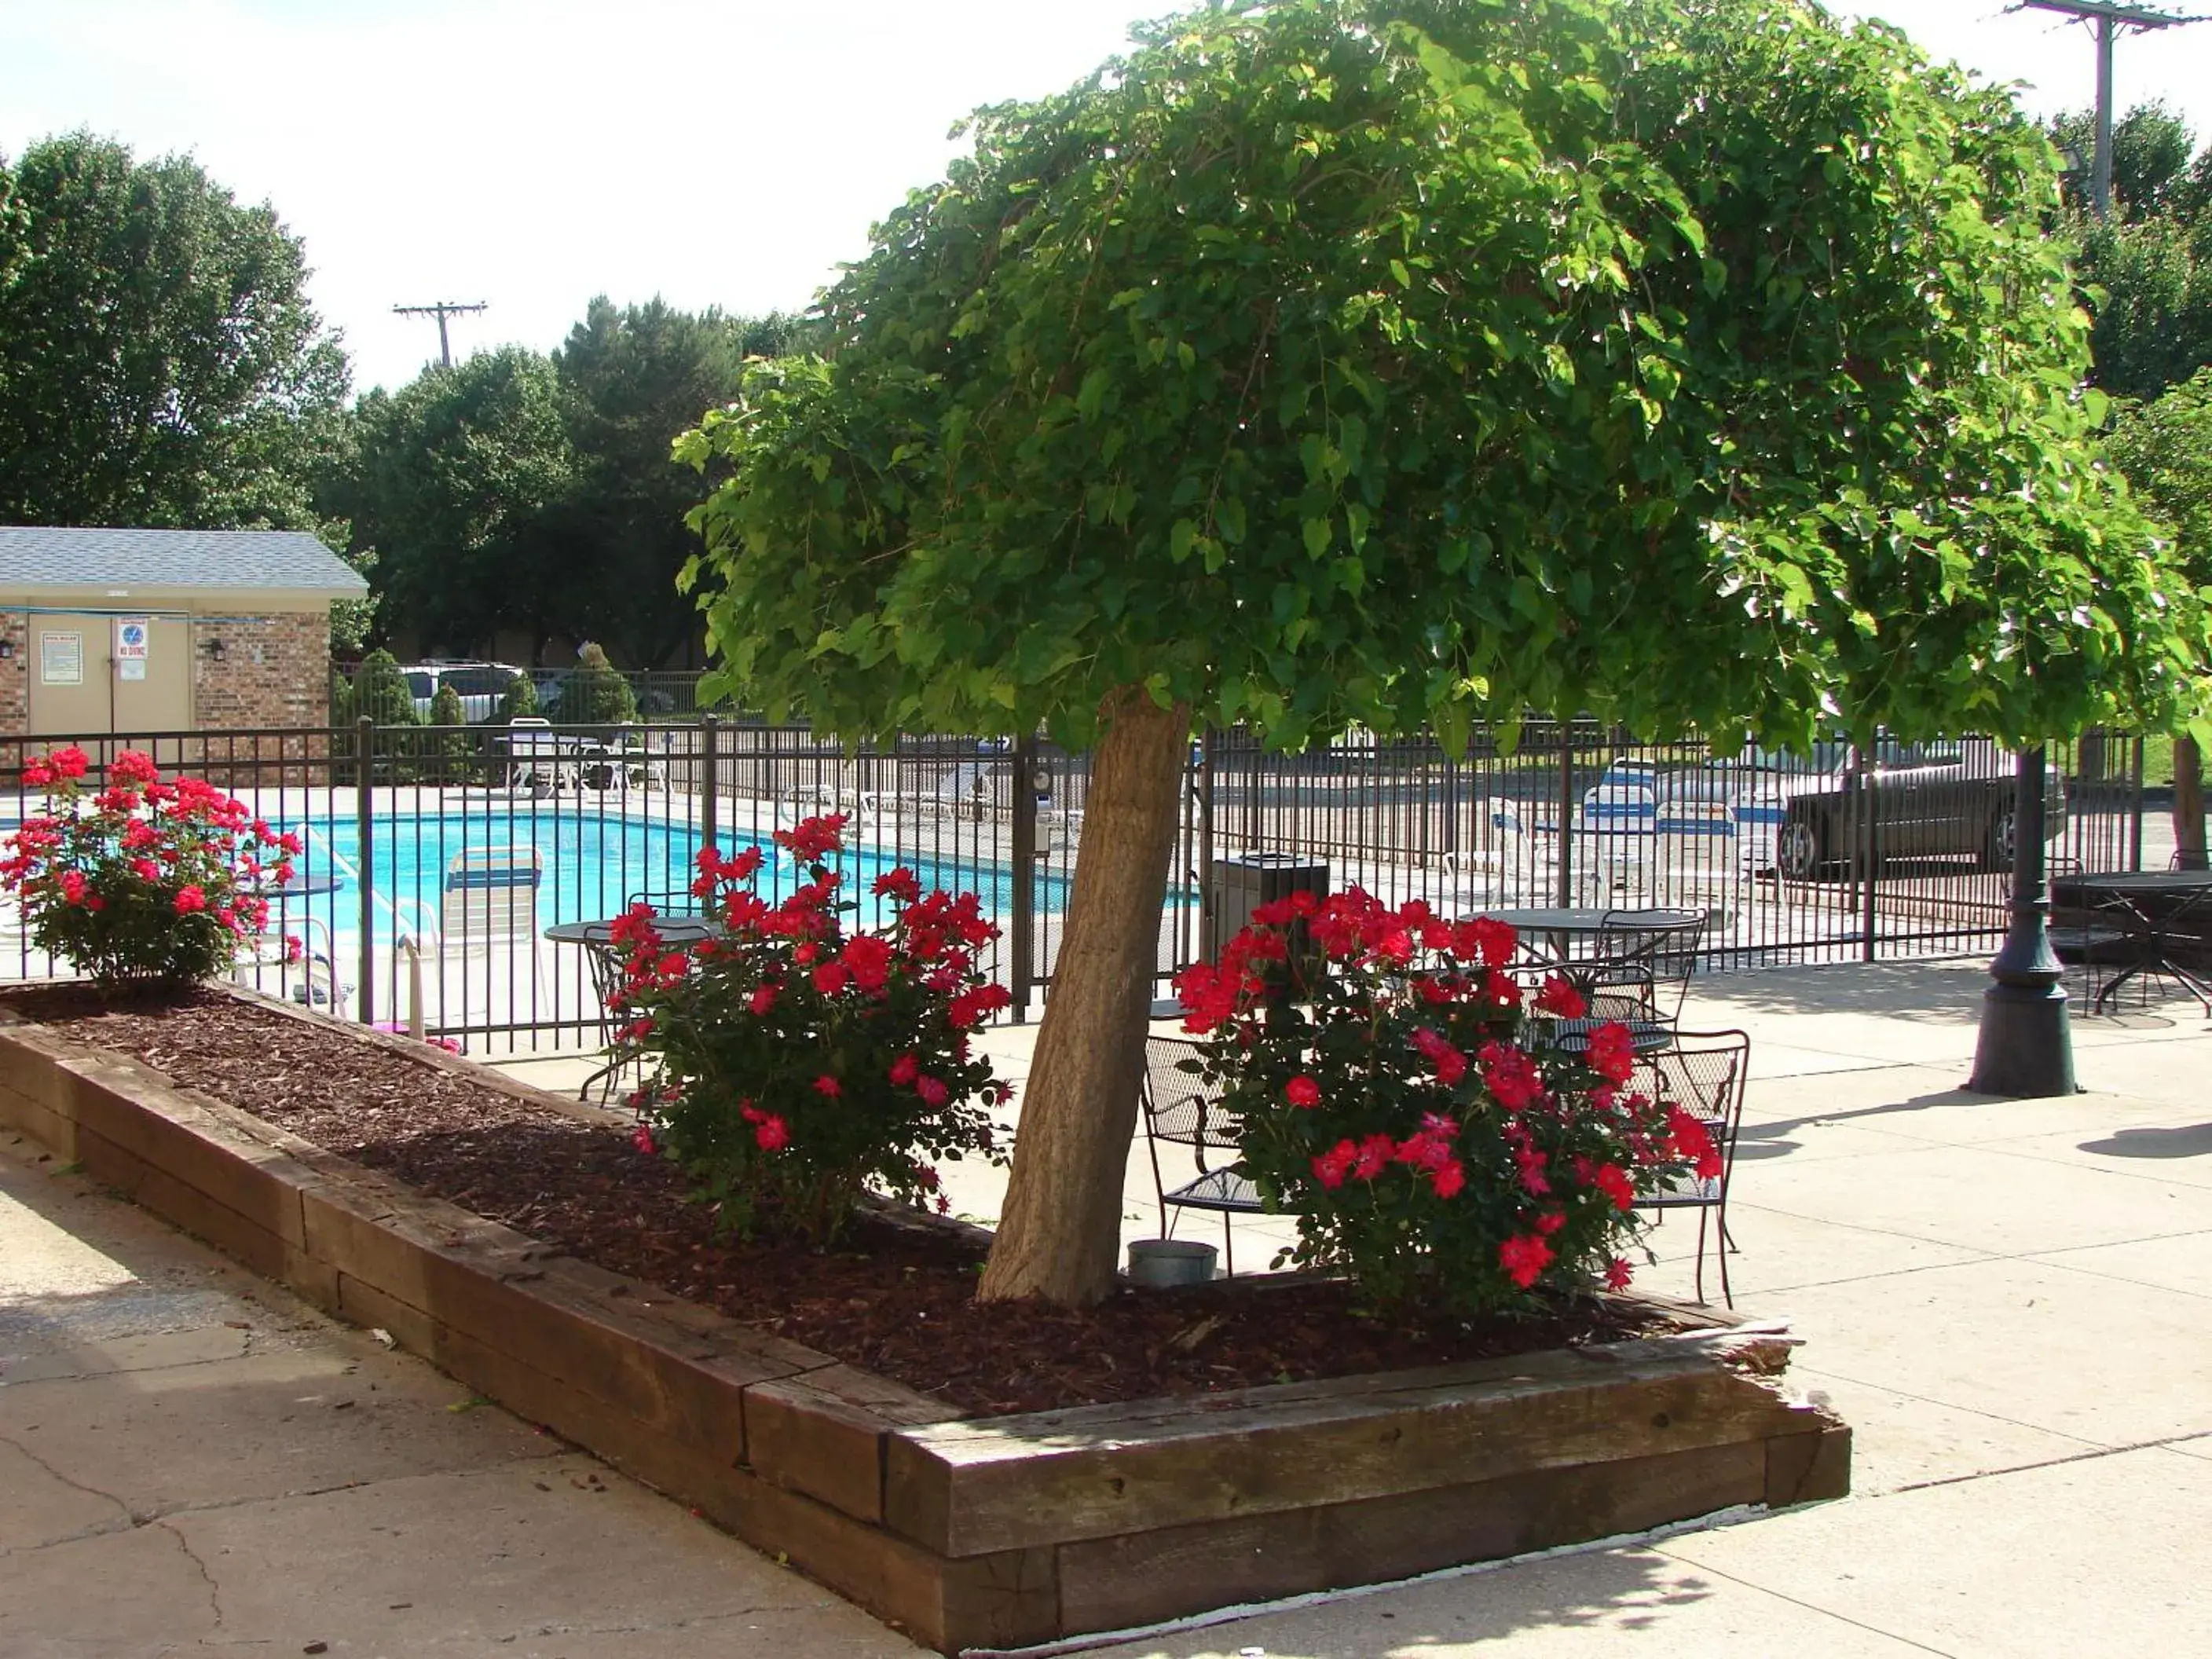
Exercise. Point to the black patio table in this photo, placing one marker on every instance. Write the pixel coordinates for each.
(605, 961)
(2163, 917)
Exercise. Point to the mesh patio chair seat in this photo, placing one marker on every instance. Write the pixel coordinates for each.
(1705, 1072)
(1180, 1112)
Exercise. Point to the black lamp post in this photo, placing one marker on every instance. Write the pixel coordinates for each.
(2026, 1045)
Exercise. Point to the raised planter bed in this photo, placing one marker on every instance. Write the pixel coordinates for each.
(967, 1532)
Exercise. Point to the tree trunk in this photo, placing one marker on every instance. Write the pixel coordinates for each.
(1059, 1237)
(2189, 803)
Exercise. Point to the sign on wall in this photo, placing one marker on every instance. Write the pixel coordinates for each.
(130, 645)
(61, 658)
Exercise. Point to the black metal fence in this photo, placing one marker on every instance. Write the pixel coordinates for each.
(443, 870)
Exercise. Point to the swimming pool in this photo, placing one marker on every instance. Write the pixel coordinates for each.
(592, 864)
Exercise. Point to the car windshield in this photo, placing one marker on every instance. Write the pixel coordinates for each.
(421, 684)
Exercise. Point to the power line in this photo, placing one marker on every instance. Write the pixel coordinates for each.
(2110, 16)
(440, 309)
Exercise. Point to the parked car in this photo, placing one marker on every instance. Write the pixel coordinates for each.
(1927, 801)
(480, 685)
(1801, 813)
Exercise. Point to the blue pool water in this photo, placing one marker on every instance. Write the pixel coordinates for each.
(593, 863)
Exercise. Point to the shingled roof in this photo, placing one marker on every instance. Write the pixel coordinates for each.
(39, 556)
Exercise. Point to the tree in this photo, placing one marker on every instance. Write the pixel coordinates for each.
(2147, 269)
(631, 380)
(460, 487)
(516, 491)
(160, 364)
(2165, 448)
(1405, 361)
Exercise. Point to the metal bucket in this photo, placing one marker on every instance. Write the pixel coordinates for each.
(1163, 1263)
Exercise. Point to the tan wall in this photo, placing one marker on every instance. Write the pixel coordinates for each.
(275, 673)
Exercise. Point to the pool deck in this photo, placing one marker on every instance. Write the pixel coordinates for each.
(2008, 1299)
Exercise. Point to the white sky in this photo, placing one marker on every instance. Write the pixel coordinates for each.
(533, 153)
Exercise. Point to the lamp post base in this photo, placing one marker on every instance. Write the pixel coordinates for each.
(2025, 1049)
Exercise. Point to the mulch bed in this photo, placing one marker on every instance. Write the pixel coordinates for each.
(894, 1298)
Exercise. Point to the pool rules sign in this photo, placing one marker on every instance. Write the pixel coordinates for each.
(130, 642)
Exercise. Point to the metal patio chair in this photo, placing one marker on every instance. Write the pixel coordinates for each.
(1180, 1112)
(1705, 1072)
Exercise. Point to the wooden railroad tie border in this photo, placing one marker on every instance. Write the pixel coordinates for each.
(996, 1532)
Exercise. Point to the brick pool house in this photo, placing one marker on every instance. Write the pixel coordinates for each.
(145, 631)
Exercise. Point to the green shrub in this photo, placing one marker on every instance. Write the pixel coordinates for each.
(382, 692)
(597, 693)
(519, 700)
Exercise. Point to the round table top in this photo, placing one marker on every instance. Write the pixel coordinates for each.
(673, 929)
(313, 885)
(1593, 919)
(1541, 919)
(1645, 1037)
(2138, 881)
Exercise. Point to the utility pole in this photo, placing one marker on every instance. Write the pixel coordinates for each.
(440, 309)
(2025, 1047)
(2110, 17)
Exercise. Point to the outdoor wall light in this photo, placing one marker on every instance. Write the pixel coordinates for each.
(6, 649)
(215, 650)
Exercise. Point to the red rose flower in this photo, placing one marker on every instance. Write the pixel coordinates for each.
(1525, 1259)
(1303, 1091)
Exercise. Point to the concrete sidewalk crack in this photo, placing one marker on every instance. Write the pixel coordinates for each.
(73, 1485)
(1799, 1600)
(215, 1594)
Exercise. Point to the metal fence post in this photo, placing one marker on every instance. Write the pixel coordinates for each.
(1207, 901)
(365, 866)
(1869, 851)
(1023, 968)
(1565, 896)
(709, 811)
(2135, 815)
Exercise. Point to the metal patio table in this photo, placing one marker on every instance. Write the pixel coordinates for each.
(605, 959)
(2161, 915)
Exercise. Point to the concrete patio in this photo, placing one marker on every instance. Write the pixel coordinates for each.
(2007, 1299)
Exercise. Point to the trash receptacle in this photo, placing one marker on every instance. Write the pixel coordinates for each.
(1240, 882)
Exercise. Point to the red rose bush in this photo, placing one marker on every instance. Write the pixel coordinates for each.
(795, 1062)
(1398, 1094)
(142, 881)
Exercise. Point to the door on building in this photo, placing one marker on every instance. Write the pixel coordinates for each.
(91, 673)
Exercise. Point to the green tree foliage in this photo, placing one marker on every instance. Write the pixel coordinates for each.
(2165, 448)
(631, 378)
(2148, 268)
(160, 364)
(1225, 377)
(460, 484)
(1400, 362)
(520, 492)
(597, 692)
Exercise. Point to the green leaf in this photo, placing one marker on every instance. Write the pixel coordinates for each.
(1317, 537)
(1093, 395)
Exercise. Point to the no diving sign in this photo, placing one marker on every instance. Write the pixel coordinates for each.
(130, 642)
